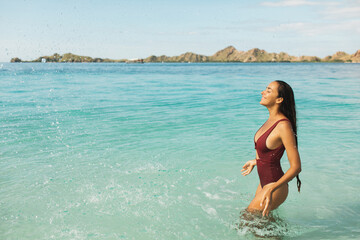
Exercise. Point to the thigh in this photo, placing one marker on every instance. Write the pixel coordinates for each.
(278, 197)
(258, 190)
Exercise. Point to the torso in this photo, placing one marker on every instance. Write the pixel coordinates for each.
(269, 150)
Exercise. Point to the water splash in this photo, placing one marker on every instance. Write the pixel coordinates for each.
(253, 223)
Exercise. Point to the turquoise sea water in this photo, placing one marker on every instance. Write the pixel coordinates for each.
(154, 151)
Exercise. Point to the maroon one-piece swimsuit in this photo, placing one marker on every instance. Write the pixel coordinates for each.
(268, 163)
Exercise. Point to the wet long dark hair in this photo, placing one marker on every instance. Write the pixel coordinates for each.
(288, 108)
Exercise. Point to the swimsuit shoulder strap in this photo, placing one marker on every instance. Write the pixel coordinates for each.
(274, 125)
(284, 119)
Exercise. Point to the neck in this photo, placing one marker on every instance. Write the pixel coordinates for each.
(274, 113)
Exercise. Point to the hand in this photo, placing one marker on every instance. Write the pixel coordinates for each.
(266, 198)
(248, 167)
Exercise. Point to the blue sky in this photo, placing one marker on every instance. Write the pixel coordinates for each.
(139, 28)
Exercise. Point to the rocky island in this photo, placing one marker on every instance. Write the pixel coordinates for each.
(67, 57)
(229, 54)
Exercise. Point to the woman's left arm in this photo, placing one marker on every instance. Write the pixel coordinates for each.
(288, 139)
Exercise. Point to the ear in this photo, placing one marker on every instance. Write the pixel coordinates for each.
(279, 100)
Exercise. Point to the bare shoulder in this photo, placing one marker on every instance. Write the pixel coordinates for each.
(285, 126)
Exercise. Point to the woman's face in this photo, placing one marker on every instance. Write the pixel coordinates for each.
(270, 95)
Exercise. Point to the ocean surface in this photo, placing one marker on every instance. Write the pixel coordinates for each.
(154, 151)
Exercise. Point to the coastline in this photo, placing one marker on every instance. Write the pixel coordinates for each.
(30, 62)
(227, 55)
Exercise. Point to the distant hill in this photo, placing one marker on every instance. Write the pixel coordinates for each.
(229, 54)
(343, 57)
(67, 57)
(186, 57)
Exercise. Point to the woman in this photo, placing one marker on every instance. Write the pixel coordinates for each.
(277, 134)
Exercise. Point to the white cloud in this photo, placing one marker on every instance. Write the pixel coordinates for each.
(343, 12)
(334, 10)
(350, 27)
(349, 9)
(296, 3)
(336, 18)
(289, 3)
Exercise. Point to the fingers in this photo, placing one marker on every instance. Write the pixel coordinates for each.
(245, 172)
(262, 201)
(266, 208)
(246, 169)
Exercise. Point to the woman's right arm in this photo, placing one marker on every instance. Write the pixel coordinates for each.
(248, 167)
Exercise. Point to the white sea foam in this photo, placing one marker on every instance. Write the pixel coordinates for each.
(209, 210)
